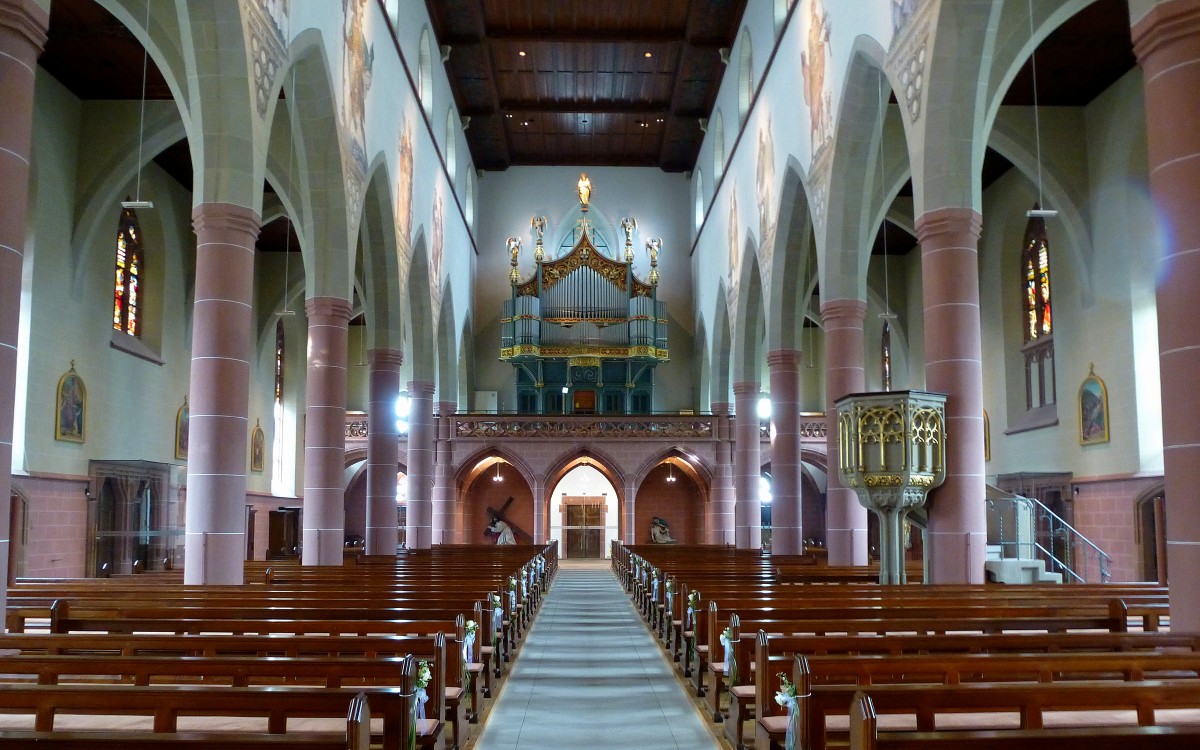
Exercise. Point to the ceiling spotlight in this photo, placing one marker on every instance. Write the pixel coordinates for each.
(509, 115)
(640, 123)
(525, 122)
(670, 472)
(497, 477)
(649, 54)
(659, 120)
(521, 52)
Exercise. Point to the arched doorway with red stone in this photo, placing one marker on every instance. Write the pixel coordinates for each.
(674, 492)
(584, 507)
(493, 486)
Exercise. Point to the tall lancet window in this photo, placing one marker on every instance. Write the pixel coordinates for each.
(127, 281)
(277, 438)
(1037, 321)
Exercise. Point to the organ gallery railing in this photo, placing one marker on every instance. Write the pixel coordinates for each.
(541, 427)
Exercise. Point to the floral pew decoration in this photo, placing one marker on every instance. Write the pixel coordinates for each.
(787, 697)
(468, 650)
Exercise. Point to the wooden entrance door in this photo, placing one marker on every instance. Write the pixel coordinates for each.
(583, 528)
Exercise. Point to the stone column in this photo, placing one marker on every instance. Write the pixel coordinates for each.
(383, 451)
(721, 530)
(787, 533)
(419, 528)
(630, 520)
(219, 393)
(957, 535)
(747, 466)
(443, 476)
(541, 524)
(325, 431)
(1167, 45)
(845, 517)
(22, 34)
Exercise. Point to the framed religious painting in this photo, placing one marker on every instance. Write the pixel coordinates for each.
(1093, 409)
(258, 448)
(70, 413)
(987, 437)
(181, 431)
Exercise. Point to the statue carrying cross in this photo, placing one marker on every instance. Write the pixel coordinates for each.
(502, 529)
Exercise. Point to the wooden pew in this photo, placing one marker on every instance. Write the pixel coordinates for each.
(167, 704)
(1102, 681)
(356, 737)
(865, 735)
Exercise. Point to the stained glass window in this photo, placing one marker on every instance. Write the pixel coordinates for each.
(1036, 319)
(1035, 269)
(127, 278)
(277, 415)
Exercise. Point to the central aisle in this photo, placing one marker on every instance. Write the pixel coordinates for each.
(589, 675)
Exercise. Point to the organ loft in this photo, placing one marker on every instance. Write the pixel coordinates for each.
(584, 332)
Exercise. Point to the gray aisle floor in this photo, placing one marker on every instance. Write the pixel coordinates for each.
(589, 675)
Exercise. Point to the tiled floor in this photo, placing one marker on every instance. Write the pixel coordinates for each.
(589, 675)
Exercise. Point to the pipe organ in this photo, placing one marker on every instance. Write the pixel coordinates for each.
(583, 333)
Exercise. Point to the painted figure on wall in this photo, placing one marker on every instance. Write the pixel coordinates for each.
(764, 179)
(258, 448)
(812, 67)
(404, 188)
(435, 249)
(181, 430)
(902, 10)
(71, 413)
(359, 58)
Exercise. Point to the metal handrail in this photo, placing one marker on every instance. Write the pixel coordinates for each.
(1047, 520)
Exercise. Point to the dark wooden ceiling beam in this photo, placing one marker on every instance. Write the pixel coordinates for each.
(562, 107)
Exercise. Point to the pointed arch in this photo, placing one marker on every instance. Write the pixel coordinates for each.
(380, 273)
(749, 355)
(447, 349)
(793, 265)
(420, 318)
(321, 173)
(859, 195)
(721, 359)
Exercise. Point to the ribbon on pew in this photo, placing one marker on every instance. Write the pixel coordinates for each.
(497, 620)
(730, 662)
(786, 696)
(468, 650)
(654, 587)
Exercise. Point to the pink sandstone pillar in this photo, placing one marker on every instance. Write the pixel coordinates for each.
(747, 466)
(22, 35)
(383, 451)
(957, 534)
(1167, 45)
(845, 517)
(721, 530)
(219, 393)
(443, 476)
(630, 521)
(325, 431)
(419, 527)
(541, 522)
(787, 534)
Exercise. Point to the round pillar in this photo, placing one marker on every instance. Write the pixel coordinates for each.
(787, 534)
(325, 431)
(957, 534)
(747, 466)
(383, 451)
(219, 393)
(845, 517)
(1167, 46)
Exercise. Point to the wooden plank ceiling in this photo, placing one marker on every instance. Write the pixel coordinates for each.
(596, 82)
